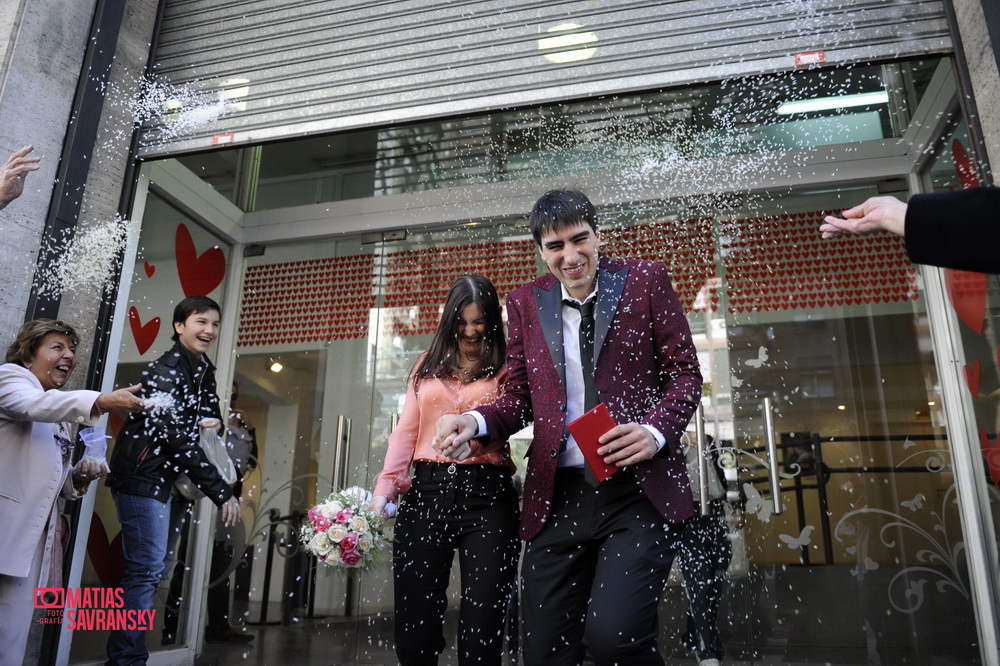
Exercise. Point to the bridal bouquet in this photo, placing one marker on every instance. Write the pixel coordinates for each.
(343, 533)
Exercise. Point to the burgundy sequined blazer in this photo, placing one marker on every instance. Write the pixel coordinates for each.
(646, 372)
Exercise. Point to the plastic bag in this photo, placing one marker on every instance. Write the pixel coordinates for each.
(96, 445)
(215, 450)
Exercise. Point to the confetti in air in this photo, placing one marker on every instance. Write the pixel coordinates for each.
(159, 402)
(87, 261)
(175, 110)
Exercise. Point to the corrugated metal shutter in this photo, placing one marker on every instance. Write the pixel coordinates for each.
(292, 67)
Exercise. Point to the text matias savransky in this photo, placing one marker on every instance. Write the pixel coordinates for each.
(90, 608)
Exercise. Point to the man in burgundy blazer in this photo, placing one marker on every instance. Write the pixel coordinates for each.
(597, 558)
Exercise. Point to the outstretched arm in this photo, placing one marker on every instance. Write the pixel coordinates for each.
(875, 214)
(13, 172)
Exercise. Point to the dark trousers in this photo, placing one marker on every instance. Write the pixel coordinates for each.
(217, 620)
(472, 509)
(593, 578)
(704, 555)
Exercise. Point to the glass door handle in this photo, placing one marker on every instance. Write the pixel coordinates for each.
(699, 429)
(341, 452)
(772, 456)
(393, 421)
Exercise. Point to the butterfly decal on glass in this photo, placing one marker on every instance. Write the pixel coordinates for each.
(914, 504)
(756, 504)
(802, 540)
(760, 360)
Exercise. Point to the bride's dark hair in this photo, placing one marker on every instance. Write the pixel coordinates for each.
(441, 360)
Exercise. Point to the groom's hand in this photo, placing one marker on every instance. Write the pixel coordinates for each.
(627, 444)
(453, 434)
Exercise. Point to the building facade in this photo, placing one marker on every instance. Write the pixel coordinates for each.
(325, 169)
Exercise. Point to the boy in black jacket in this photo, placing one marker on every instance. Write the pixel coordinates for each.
(156, 446)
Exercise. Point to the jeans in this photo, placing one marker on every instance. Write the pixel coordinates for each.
(145, 526)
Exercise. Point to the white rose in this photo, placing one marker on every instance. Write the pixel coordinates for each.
(320, 544)
(328, 511)
(359, 524)
(336, 532)
(365, 542)
(360, 496)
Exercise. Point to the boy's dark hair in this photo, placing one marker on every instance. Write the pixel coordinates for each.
(561, 208)
(192, 305)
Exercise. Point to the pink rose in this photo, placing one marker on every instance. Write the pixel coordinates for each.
(351, 557)
(321, 522)
(345, 515)
(349, 542)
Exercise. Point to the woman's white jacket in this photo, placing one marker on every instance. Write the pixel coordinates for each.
(32, 471)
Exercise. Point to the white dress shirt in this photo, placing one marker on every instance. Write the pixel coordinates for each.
(572, 456)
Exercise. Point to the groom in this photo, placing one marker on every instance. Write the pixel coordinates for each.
(594, 330)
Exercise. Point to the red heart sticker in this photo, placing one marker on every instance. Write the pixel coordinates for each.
(968, 296)
(150, 268)
(963, 165)
(105, 555)
(992, 455)
(972, 379)
(199, 274)
(144, 334)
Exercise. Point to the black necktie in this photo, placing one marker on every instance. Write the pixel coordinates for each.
(587, 362)
(587, 351)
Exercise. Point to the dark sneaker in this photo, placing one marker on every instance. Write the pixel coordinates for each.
(228, 637)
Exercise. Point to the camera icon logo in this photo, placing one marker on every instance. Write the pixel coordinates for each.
(50, 597)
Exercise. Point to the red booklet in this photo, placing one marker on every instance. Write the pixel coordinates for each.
(586, 430)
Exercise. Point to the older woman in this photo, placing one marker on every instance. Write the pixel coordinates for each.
(35, 450)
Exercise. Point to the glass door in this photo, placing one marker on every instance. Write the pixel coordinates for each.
(327, 337)
(418, 271)
(304, 373)
(178, 256)
(821, 392)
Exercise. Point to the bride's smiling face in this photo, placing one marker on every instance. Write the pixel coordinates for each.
(471, 330)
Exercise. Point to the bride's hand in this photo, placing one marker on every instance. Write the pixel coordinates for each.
(377, 505)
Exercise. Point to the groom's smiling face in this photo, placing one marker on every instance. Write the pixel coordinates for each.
(571, 254)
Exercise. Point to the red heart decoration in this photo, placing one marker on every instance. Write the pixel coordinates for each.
(199, 274)
(150, 268)
(972, 379)
(991, 453)
(105, 555)
(968, 296)
(116, 422)
(963, 165)
(144, 334)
